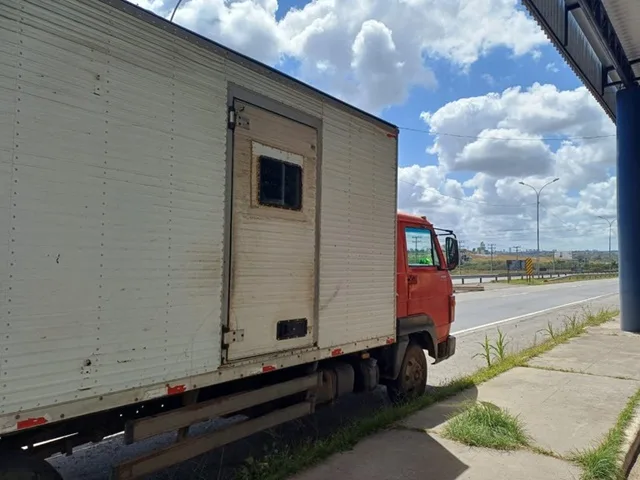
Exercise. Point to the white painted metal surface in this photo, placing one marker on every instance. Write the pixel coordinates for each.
(358, 217)
(116, 228)
(625, 17)
(112, 213)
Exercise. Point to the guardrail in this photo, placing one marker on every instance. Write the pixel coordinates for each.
(502, 276)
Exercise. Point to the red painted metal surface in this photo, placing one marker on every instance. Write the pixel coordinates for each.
(423, 289)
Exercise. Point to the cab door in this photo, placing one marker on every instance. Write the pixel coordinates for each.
(427, 279)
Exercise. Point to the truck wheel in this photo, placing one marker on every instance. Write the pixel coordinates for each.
(412, 379)
(18, 466)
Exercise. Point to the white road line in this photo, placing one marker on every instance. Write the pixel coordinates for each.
(506, 320)
(514, 294)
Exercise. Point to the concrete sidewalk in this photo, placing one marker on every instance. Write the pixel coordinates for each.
(568, 399)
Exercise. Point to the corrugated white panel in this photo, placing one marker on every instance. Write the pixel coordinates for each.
(277, 90)
(625, 17)
(8, 78)
(357, 242)
(119, 205)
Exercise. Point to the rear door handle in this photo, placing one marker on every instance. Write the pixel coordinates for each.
(412, 279)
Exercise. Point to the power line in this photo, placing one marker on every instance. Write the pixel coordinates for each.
(516, 139)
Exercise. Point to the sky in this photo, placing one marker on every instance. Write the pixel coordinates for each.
(482, 99)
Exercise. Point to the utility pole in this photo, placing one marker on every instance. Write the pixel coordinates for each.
(610, 222)
(492, 247)
(538, 218)
(415, 252)
(517, 249)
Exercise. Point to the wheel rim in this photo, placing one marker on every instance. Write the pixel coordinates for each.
(413, 376)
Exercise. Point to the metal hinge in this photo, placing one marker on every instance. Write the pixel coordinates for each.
(236, 119)
(232, 336)
(231, 119)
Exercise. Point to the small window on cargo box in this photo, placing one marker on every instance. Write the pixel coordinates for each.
(280, 184)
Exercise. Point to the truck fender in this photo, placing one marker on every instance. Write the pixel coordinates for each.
(418, 328)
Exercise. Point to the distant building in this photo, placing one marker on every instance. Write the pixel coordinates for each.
(563, 255)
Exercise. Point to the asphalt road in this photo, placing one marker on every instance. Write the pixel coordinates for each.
(521, 313)
(475, 309)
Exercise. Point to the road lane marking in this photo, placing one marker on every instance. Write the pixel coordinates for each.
(532, 314)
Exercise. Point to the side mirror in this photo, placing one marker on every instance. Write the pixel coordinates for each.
(452, 253)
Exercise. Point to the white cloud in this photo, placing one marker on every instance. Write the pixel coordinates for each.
(372, 52)
(492, 205)
(551, 67)
(487, 77)
(368, 52)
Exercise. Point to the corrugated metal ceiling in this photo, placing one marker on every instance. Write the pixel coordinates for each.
(580, 33)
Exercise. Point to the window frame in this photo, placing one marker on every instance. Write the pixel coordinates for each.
(285, 165)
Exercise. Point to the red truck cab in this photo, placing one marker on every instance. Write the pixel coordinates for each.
(425, 303)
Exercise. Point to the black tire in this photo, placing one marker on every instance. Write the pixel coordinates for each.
(18, 466)
(412, 379)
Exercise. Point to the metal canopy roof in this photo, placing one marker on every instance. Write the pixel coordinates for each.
(599, 39)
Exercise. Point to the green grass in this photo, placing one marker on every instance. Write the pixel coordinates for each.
(486, 425)
(603, 461)
(288, 460)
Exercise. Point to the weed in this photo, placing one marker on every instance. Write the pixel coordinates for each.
(486, 350)
(550, 331)
(486, 425)
(603, 461)
(571, 322)
(500, 346)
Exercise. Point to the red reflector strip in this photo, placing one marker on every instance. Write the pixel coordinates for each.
(31, 422)
(392, 135)
(335, 352)
(390, 341)
(176, 389)
(268, 368)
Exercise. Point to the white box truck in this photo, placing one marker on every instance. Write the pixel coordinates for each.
(186, 233)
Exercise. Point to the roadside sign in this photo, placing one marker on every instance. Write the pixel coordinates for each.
(529, 266)
(515, 265)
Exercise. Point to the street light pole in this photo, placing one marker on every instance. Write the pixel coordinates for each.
(538, 218)
(610, 222)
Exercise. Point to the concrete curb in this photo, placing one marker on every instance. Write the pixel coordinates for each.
(631, 444)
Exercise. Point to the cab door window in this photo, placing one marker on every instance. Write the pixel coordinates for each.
(421, 251)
